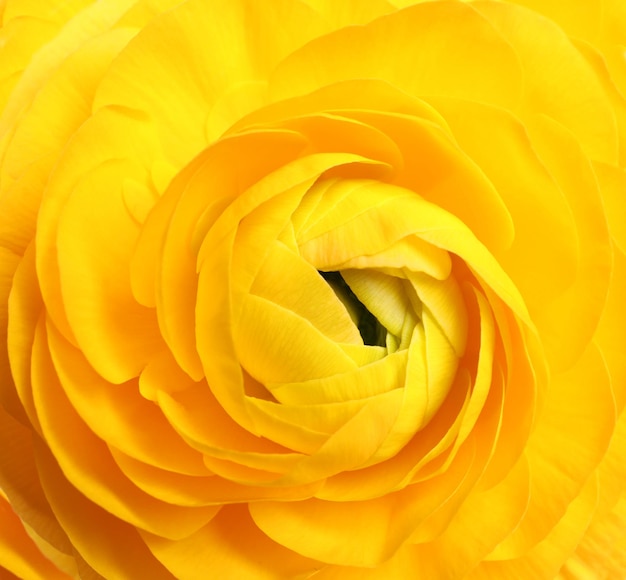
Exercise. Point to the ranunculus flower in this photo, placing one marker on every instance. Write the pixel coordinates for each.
(296, 289)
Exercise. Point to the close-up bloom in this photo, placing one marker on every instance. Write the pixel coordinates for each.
(307, 289)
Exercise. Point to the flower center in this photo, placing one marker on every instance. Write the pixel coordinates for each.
(372, 331)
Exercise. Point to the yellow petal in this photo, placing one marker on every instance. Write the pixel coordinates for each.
(579, 19)
(445, 303)
(342, 532)
(602, 549)
(547, 557)
(218, 295)
(86, 23)
(19, 555)
(370, 380)
(526, 380)
(390, 213)
(369, 426)
(9, 262)
(612, 181)
(599, 63)
(169, 247)
(99, 144)
(303, 427)
(20, 480)
(113, 412)
(186, 490)
(613, 41)
(431, 370)
(484, 519)
(230, 542)
(610, 333)
(344, 97)
(438, 170)
(276, 346)
(281, 280)
(25, 310)
(59, 107)
(184, 60)
(350, 12)
(409, 253)
(108, 545)
(435, 445)
(561, 455)
(565, 337)
(558, 82)
(117, 335)
(542, 259)
(433, 48)
(87, 462)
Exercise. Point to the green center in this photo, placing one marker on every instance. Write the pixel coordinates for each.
(372, 331)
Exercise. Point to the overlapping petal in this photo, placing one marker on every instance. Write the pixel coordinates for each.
(312, 291)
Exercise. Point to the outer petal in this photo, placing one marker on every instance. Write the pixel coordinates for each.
(197, 68)
(20, 556)
(231, 542)
(561, 455)
(445, 47)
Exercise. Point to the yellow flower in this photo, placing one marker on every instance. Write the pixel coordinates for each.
(296, 289)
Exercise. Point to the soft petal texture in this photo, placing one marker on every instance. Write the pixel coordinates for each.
(307, 289)
(21, 556)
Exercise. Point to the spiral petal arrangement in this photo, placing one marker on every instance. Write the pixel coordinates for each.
(294, 290)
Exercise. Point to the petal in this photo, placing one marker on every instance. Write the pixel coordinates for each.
(561, 455)
(113, 413)
(218, 295)
(601, 551)
(580, 19)
(353, 384)
(18, 553)
(611, 333)
(435, 447)
(281, 279)
(350, 12)
(117, 335)
(185, 490)
(110, 546)
(87, 462)
(542, 259)
(182, 232)
(558, 82)
(25, 311)
(100, 143)
(438, 170)
(445, 47)
(188, 57)
(86, 23)
(485, 362)
(484, 519)
(342, 532)
(547, 557)
(600, 66)
(390, 213)
(21, 37)
(565, 337)
(230, 542)
(612, 181)
(8, 395)
(370, 426)
(20, 481)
